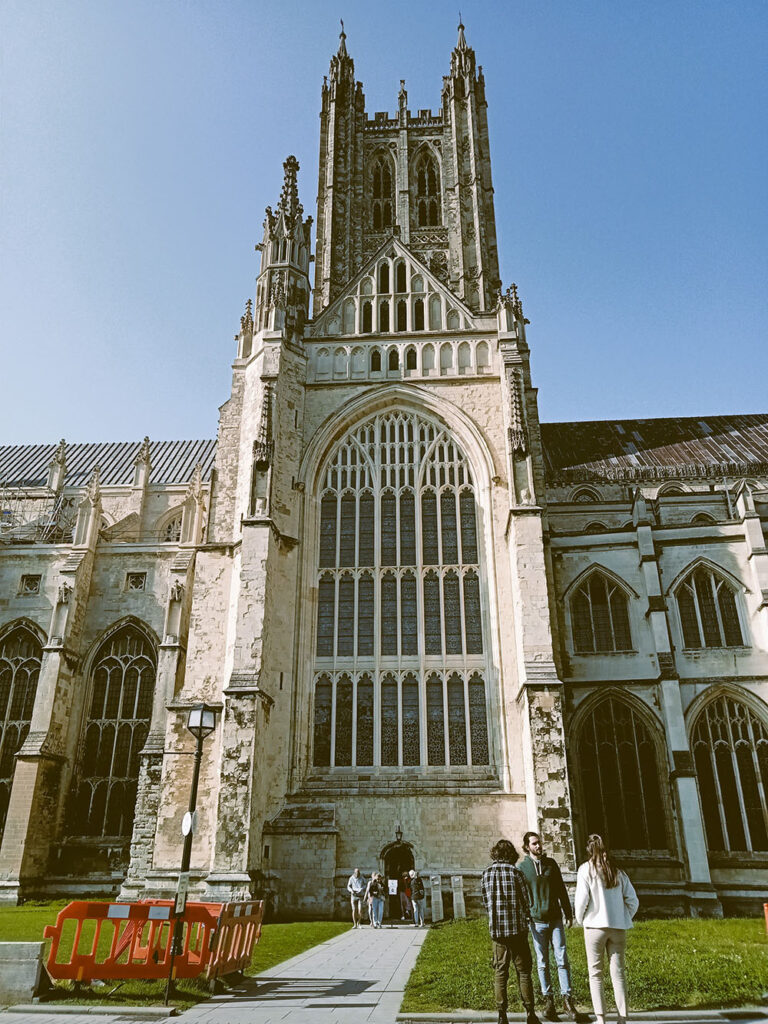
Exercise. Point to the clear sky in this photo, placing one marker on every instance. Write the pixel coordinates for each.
(142, 139)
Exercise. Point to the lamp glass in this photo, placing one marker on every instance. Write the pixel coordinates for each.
(201, 721)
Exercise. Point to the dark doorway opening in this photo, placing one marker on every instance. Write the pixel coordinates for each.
(398, 857)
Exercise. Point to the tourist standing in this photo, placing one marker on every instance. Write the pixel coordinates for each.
(505, 896)
(356, 889)
(605, 904)
(418, 898)
(374, 894)
(550, 912)
(404, 891)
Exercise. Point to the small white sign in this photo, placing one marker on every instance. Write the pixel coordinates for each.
(188, 823)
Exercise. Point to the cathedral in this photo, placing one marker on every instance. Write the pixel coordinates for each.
(425, 620)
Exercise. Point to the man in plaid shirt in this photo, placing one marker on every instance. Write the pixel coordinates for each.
(506, 900)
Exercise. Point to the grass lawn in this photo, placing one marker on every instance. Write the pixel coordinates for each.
(278, 942)
(682, 963)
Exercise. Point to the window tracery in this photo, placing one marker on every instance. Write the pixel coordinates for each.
(399, 610)
(730, 751)
(427, 176)
(383, 193)
(600, 616)
(620, 777)
(171, 533)
(122, 690)
(20, 658)
(709, 614)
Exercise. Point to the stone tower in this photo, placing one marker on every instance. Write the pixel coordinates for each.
(424, 178)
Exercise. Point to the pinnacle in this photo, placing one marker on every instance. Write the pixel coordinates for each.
(462, 42)
(289, 197)
(343, 42)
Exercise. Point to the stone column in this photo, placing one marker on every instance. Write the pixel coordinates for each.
(702, 894)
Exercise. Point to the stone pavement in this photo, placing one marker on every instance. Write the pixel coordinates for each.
(355, 978)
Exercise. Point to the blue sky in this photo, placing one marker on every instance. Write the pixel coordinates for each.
(142, 140)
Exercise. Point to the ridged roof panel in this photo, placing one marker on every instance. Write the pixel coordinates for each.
(603, 445)
(173, 462)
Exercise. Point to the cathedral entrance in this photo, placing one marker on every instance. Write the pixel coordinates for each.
(398, 857)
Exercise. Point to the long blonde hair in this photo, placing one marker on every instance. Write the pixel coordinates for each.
(601, 860)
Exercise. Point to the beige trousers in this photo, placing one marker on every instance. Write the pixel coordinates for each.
(598, 942)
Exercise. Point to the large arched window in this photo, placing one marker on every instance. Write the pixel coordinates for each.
(730, 749)
(618, 771)
(709, 616)
(122, 688)
(427, 174)
(600, 616)
(382, 193)
(20, 656)
(400, 656)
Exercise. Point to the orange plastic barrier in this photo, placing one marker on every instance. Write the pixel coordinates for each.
(130, 940)
(239, 929)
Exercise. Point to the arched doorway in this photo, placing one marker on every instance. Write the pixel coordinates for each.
(397, 857)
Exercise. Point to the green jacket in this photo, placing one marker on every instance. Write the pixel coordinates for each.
(549, 897)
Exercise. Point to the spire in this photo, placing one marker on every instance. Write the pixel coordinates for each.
(462, 42)
(342, 41)
(289, 197)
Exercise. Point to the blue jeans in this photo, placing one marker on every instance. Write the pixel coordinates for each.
(546, 933)
(418, 911)
(377, 910)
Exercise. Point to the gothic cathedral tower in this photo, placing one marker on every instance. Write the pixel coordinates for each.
(371, 605)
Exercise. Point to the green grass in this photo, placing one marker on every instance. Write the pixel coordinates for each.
(683, 963)
(278, 942)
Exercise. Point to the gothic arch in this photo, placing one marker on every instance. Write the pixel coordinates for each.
(381, 190)
(621, 772)
(728, 736)
(24, 623)
(719, 570)
(585, 494)
(599, 567)
(426, 191)
(163, 524)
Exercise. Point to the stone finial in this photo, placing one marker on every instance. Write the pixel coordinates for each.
(195, 487)
(461, 43)
(289, 197)
(57, 467)
(144, 453)
(60, 455)
(246, 320)
(511, 300)
(93, 488)
(342, 41)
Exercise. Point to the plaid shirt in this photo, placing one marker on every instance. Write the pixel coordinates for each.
(506, 900)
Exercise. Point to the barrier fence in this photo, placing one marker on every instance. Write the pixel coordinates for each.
(118, 941)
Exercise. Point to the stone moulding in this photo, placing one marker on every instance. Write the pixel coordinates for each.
(628, 474)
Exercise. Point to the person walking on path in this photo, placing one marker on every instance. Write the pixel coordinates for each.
(404, 891)
(505, 896)
(356, 889)
(550, 912)
(374, 894)
(605, 904)
(418, 898)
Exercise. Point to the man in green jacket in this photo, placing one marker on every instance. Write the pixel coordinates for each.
(550, 906)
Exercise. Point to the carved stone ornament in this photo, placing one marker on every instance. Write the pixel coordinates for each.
(177, 591)
(143, 454)
(246, 320)
(518, 435)
(64, 593)
(511, 300)
(263, 446)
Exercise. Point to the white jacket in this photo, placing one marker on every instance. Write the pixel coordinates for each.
(598, 907)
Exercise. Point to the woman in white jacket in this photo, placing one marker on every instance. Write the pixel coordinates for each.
(605, 905)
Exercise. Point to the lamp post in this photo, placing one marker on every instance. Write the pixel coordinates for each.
(201, 721)
(399, 834)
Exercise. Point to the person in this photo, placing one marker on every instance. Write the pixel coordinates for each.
(418, 898)
(505, 896)
(404, 890)
(605, 904)
(356, 889)
(550, 906)
(374, 894)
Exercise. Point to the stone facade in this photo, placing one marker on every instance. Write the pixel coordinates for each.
(426, 620)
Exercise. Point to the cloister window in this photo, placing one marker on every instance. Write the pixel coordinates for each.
(400, 655)
(730, 750)
(600, 616)
(427, 191)
(708, 613)
(619, 775)
(122, 689)
(20, 657)
(383, 193)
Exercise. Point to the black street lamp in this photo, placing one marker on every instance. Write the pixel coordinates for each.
(201, 722)
(399, 834)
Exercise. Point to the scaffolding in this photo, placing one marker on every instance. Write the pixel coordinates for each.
(35, 515)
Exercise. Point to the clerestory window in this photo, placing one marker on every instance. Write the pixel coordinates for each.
(427, 191)
(709, 615)
(400, 657)
(383, 194)
(600, 616)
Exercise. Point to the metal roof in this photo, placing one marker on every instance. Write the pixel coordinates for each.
(658, 445)
(26, 465)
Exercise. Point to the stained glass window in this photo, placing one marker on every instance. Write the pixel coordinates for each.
(20, 658)
(708, 613)
(600, 616)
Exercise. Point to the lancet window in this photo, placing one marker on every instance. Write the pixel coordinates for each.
(20, 657)
(709, 615)
(427, 191)
(600, 616)
(383, 193)
(618, 770)
(400, 656)
(122, 688)
(730, 750)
